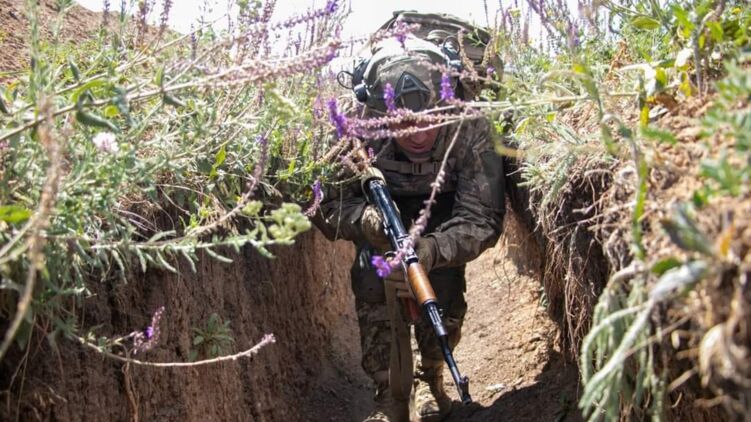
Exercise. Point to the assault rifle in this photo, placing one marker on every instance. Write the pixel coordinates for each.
(417, 278)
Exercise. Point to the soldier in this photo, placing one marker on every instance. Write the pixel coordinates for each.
(465, 220)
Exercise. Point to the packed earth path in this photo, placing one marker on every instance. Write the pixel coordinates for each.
(508, 349)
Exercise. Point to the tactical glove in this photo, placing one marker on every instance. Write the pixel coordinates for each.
(371, 225)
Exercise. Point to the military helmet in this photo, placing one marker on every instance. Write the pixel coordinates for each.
(410, 69)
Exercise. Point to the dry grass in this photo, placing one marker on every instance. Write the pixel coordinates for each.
(583, 223)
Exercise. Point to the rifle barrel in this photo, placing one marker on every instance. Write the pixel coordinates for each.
(461, 382)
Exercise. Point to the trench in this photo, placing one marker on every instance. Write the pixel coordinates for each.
(312, 372)
(511, 349)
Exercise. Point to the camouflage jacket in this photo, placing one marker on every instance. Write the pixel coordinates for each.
(467, 216)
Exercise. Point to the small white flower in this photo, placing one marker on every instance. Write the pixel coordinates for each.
(106, 142)
(683, 57)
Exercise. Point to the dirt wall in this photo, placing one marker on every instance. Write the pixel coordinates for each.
(572, 265)
(302, 297)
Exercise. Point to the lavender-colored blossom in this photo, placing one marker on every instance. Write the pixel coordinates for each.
(263, 142)
(318, 107)
(490, 71)
(309, 16)
(331, 6)
(105, 13)
(333, 52)
(148, 338)
(447, 91)
(389, 97)
(317, 197)
(260, 164)
(268, 10)
(401, 29)
(164, 17)
(383, 269)
(144, 8)
(193, 43)
(573, 36)
(337, 118)
(106, 142)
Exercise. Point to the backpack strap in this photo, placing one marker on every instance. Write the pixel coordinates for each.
(418, 169)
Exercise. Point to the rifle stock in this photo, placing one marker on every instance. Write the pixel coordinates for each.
(417, 277)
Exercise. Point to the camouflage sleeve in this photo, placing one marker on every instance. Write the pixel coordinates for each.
(476, 220)
(339, 214)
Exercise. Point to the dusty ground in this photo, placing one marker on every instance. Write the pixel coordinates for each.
(80, 23)
(508, 349)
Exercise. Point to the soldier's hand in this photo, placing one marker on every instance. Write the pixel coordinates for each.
(426, 252)
(371, 225)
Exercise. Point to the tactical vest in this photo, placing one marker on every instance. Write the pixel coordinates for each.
(406, 178)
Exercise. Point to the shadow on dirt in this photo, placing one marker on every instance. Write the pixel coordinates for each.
(551, 396)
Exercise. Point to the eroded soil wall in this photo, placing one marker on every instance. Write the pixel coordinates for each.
(573, 266)
(302, 297)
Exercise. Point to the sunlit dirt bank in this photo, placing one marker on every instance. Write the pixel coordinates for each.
(302, 297)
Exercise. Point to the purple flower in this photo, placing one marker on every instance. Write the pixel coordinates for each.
(260, 165)
(164, 17)
(383, 269)
(268, 10)
(447, 91)
(573, 36)
(401, 29)
(490, 71)
(317, 197)
(401, 38)
(309, 17)
(331, 6)
(388, 97)
(338, 119)
(193, 43)
(317, 108)
(105, 13)
(149, 337)
(333, 51)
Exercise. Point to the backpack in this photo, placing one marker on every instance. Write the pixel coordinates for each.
(441, 30)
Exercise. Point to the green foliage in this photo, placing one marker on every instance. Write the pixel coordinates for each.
(213, 339)
(615, 347)
(165, 150)
(730, 119)
(662, 53)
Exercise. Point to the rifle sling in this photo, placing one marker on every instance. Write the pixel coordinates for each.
(401, 371)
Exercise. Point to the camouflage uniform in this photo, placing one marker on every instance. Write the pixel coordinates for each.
(465, 221)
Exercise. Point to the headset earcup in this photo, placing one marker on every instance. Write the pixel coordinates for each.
(361, 92)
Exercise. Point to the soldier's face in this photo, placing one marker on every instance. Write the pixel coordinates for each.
(419, 143)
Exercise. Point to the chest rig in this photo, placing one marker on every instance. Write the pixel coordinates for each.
(406, 178)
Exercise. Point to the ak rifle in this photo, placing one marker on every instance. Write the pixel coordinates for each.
(378, 195)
